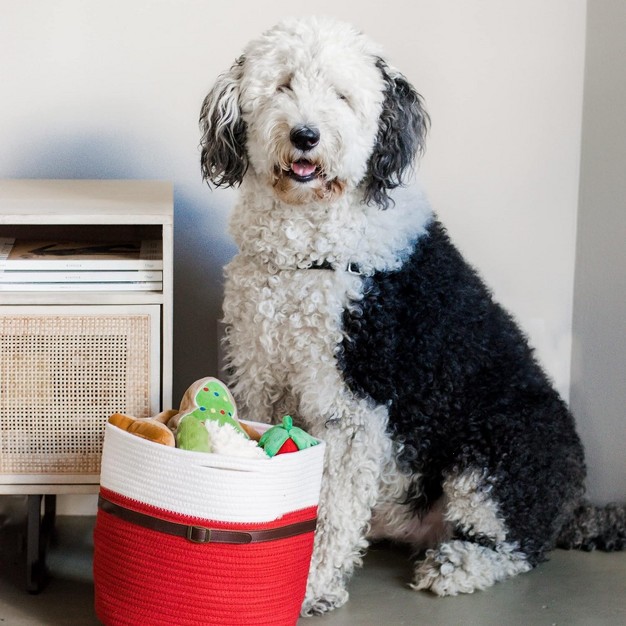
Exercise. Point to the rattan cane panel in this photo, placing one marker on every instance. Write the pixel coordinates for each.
(60, 378)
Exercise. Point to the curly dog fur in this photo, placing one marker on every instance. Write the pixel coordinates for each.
(348, 307)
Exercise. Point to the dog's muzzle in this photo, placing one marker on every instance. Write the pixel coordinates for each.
(304, 138)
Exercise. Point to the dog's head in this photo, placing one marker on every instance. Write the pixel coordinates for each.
(312, 109)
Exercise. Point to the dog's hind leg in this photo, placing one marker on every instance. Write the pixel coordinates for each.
(349, 491)
(481, 555)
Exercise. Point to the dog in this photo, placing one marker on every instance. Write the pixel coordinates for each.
(349, 308)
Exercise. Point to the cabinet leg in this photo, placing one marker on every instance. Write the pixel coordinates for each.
(38, 531)
(49, 514)
(33, 536)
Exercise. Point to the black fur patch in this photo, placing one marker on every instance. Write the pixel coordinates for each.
(224, 159)
(401, 136)
(464, 390)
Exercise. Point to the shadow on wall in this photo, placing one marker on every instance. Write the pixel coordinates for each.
(201, 245)
(81, 156)
(201, 248)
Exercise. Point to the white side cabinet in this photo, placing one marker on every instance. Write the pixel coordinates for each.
(71, 357)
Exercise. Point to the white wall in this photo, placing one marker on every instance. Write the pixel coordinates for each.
(113, 90)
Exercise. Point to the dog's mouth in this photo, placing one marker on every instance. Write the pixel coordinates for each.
(301, 180)
(303, 171)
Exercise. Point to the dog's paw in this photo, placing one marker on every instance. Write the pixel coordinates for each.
(325, 603)
(464, 567)
(442, 573)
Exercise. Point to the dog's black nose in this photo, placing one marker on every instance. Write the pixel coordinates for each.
(304, 137)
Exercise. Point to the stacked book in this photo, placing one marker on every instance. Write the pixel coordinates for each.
(27, 265)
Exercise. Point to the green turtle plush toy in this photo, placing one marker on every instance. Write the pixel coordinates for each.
(207, 422)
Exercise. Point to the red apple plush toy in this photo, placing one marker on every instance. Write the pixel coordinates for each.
(285, 437)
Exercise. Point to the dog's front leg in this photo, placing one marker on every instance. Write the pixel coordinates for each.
(349, 491)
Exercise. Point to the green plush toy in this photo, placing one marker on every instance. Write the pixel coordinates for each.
(208, 399)
(286, 437)
(193, 435)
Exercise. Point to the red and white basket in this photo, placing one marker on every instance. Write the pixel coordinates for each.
(190, 538)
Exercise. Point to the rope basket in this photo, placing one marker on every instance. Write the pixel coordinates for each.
(190, 538)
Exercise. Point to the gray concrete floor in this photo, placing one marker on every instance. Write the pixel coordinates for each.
(572, 589)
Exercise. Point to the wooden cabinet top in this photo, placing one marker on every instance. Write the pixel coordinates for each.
(36, 201)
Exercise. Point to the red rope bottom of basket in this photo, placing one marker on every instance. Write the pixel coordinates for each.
(143, 577)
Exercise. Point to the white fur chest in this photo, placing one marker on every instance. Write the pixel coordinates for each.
(284, 330)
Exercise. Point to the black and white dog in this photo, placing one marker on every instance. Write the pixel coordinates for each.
(349, 308)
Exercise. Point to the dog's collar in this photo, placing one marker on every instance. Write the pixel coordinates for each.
(352, 268)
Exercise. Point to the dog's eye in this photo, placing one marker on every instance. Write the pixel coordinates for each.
(284, 87)
(342, 96)
(346, 100)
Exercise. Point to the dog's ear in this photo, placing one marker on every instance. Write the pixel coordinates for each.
(224, 159)
(401, 137)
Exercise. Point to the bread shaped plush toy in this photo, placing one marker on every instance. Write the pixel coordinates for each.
(207, 422)
(151, 428)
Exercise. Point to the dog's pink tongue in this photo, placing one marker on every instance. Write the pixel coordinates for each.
(302, 168)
